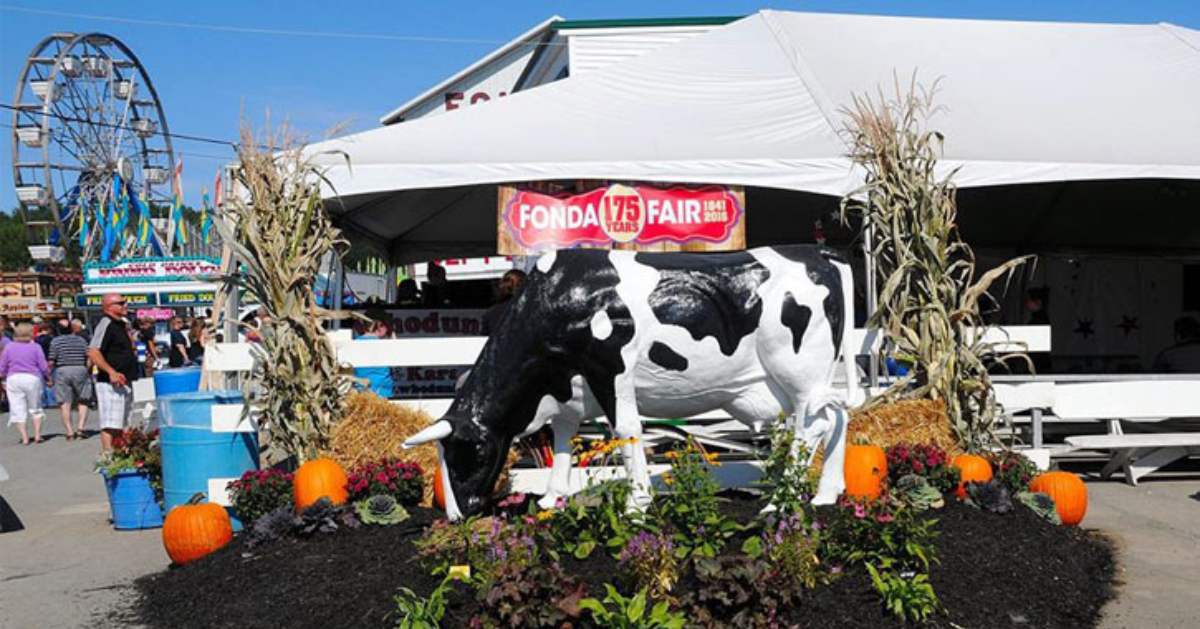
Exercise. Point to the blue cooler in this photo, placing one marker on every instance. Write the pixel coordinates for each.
(180, 380)
(192, 453)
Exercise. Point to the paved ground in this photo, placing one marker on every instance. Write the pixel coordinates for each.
(69, 566)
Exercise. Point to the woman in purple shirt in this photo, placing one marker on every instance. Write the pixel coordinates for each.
(23, 369)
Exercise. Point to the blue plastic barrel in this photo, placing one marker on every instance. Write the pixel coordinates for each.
(132, 501)
(181, 380)
(192, 453)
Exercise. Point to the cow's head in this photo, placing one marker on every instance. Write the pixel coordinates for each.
(471, 458)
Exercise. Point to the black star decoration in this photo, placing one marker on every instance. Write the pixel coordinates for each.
(1086, 328)
(1128, 324)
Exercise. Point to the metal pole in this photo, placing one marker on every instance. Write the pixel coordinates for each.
(871, 305)
(337, 285)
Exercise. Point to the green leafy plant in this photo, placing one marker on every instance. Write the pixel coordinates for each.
(278, 233)
(791, 545)
(650, 559)
(528, 595)
(909, 598)
(380, 510)
(689, 510)
(786, 480)
(594, 517)
(1014, 470)
(1040, 504)
(259, 492)
(737, 591)
(883, 532)
(416, 612)
(929, 299)
(630, 613)
(917, 492)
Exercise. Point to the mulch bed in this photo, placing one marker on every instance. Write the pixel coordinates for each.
(1013, 570)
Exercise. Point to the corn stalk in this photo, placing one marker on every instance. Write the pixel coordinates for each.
(929, 301)
(278, 232)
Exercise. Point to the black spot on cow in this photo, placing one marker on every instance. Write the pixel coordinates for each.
(708, 294)
(667, 358)
(821, 270)
(796, 318)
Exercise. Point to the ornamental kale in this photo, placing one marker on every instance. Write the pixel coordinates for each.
(380, 510)
(1040, 504)
(991, 496)
(323, 517)
(271, 526)
(916, 492)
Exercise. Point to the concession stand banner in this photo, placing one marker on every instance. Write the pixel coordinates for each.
(642, 217)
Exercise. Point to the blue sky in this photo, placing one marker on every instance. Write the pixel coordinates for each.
(206, 78)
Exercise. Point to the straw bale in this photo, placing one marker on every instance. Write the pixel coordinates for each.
(373, 428)
(907, 421)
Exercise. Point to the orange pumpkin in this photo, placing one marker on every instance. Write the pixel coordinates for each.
(1069, 494)
(972, 468)
(865, 470)
(439, 494)
(316, 479)
(195, 529)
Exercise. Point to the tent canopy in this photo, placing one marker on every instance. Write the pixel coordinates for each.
(759, 103)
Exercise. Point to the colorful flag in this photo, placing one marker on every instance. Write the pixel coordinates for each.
(108, 212)
(83, 225)
(177, 205)
(143, 220)
(205, 217)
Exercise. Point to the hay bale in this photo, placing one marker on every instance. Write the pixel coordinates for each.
(905, 421)
(373, 428)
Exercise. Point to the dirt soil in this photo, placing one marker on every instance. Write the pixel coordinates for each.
(1003, 571)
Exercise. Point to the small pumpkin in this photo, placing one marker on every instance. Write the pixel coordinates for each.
(972, 468)
(316, 479)
(195, 529)
(865, 470)
(1069, 494)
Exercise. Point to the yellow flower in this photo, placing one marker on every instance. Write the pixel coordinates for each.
(667, 479)
(672, 455)
(544, 515)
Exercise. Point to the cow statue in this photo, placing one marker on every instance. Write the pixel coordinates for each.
(755, 333)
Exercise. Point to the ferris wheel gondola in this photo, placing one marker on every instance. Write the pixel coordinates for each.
(89, 139)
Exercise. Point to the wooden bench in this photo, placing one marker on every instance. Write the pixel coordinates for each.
(1144, 401)
(1139, 454)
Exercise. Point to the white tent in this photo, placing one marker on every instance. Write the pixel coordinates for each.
(757, 103)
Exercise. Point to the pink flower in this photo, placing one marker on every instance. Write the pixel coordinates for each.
(884, 518)
(380, 477)
(860, 511)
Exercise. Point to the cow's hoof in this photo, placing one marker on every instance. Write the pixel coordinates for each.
(825, 498)
(638, 503)
(770, 508)
(550, 501)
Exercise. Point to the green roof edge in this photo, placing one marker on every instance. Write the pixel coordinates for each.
(717, 20)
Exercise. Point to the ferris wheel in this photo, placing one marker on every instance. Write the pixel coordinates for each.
(91, 152)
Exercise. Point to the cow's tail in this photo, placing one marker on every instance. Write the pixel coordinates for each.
(849, 348)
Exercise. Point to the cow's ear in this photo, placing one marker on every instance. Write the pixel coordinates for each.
(438, 431)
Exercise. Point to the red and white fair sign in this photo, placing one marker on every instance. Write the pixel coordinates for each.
(622, 213)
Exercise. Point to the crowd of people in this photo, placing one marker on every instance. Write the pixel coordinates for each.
(61, 363)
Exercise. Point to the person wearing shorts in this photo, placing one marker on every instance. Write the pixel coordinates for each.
(23, 369)
(72, 380)
(111, 351)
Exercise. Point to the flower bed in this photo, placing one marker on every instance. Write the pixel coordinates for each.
(696, 557)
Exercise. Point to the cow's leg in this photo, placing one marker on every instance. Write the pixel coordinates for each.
(829, 428)
(565, 427)
(628, 426)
